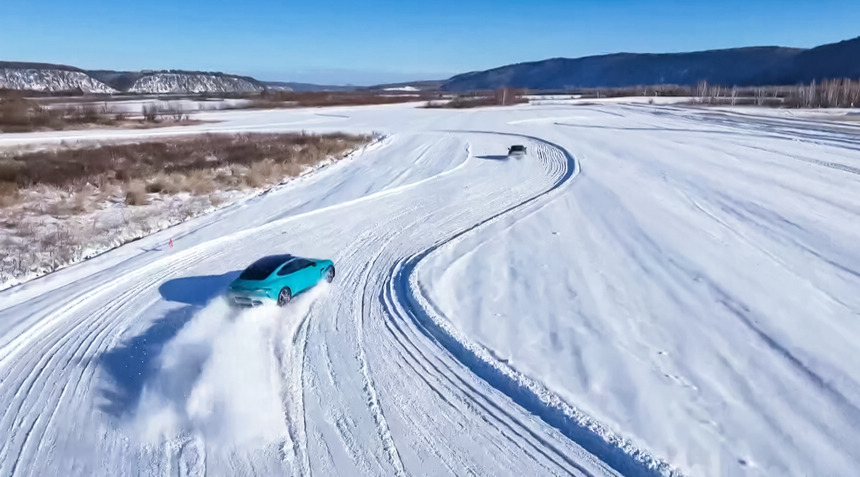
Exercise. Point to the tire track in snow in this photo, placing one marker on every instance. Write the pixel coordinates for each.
(496, 201)
(104, 320)
(369, 389)
(453, 216)
(506, 431)
(43, 373)
(86, 331)
(289, 350)
(416, 358)
(379, 265)
(390, 306)
(615, 451)
(124, 302)
(342, 423)
(506, 424)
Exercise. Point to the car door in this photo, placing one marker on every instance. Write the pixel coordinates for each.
(306, 275)
(290, 275)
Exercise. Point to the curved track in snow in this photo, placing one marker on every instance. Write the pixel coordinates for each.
(360, 388)
(489, 316)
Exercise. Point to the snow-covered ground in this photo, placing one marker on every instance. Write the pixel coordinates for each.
(654, 289)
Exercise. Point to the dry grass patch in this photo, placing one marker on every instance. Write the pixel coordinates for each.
(20, 114)
(292, 99)
(499, 97)
(8, 194)
(60, 206)
(135, 193)
(176, 165)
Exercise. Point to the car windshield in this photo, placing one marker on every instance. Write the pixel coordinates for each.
(262, 268)
(518, 148)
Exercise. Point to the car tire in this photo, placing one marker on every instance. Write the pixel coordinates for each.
(329, 274)
(284, 296)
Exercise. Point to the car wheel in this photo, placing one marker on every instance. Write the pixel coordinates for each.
(329, 274)
(284, 296)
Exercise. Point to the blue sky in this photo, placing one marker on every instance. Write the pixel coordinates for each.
(372, 41)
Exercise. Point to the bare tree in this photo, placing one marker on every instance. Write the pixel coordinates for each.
(150, 112)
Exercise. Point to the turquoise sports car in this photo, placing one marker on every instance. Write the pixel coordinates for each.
(278, 278)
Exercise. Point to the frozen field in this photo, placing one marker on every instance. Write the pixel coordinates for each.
(654, 290)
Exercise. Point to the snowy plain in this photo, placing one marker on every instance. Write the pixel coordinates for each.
(653, 290)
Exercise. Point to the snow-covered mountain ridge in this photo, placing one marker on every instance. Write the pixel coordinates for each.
(50, 78)
(60, 78)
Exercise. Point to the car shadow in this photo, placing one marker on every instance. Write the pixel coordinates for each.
(196, 291)
(493, 158)
(130, 365)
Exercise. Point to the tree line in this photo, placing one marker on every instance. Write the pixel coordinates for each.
(832, 93)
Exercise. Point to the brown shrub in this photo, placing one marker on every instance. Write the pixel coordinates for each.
(292, 169)
(9, 170)
(8, 193)
(15, 115)
(18, 114)
(292, 99)
(81, 200)
(150, 113)
(216, 199)
(135, 193)
(200, 182)
(155, 185)
(499, 97)
(261, 173)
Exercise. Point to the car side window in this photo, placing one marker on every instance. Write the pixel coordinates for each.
(295, 266)
(291, 267)
(302, 264)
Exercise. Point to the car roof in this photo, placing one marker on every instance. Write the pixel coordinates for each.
(265, 266)
(274, 259)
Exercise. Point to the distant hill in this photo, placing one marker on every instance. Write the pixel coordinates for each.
(177, 82)
(62, 78)
(49, 78)
(730, 67)
(769, 65)
(173, 82)
(836, 60)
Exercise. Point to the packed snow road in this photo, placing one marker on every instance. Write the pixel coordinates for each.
(652, 290)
